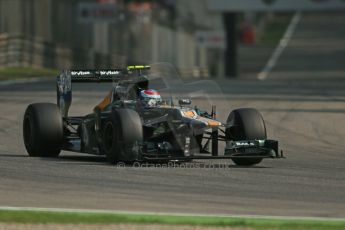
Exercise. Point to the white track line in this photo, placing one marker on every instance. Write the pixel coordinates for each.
(100, 211)
(281, 46)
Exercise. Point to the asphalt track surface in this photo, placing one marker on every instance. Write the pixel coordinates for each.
(308, 118)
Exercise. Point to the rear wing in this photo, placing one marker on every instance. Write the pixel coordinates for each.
(96, 75)
(65, 79)
(105, 75)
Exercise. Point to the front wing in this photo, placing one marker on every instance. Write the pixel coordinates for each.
(234, 149)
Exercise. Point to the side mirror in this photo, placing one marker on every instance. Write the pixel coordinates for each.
(182, 102)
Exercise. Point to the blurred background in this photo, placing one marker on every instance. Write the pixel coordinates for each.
(202, 38)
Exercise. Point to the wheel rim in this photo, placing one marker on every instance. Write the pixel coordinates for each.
(109, 136)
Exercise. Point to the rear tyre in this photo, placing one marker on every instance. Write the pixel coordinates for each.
(43, 130)
(122, 133)
(247, 124)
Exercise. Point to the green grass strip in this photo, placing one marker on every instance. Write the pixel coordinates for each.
(11, 73)
(45, 217)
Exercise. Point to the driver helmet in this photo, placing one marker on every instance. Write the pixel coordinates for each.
(150, 97)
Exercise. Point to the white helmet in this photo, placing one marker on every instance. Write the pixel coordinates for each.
(150, 97)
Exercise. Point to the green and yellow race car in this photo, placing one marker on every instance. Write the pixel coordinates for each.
(134, 123)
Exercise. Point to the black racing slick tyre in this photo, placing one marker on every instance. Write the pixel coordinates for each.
(43, 130)
(246, 124)
(122, 133)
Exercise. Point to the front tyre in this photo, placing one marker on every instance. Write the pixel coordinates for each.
(246, 124)
(122, 133)
(43, 130)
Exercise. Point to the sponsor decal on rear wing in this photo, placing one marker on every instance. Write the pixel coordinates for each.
(96, 75)
(104, 75)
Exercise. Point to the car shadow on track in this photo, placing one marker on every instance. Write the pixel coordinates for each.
(12, 155)
(82, 160)
(90, 160)
(101, 160)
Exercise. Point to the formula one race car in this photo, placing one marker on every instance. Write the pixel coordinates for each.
(134, 123)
